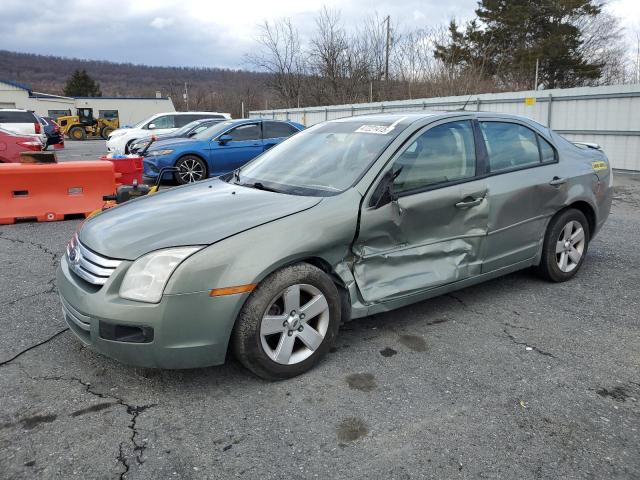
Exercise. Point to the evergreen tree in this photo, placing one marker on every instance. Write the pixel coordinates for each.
(82, 85)
(508, 36)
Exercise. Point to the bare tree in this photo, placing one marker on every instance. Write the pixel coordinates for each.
(281, 55)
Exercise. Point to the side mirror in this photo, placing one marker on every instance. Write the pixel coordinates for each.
(384, 194)
(151, 126)
(224, 139)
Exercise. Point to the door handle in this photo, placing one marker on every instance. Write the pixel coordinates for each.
(557, 181)
(469, 203)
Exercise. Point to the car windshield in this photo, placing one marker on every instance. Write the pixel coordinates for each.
(184, 130)
(213, 131)
(141, 123)
(323, 160)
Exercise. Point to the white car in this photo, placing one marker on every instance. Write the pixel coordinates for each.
(121, 139)
(23, 122)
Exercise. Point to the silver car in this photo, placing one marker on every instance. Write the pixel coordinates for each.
(346, 219)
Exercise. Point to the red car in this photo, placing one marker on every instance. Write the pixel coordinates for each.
(11, 144)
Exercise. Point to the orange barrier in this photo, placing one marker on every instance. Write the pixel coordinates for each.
(48, 192)
(127, 169)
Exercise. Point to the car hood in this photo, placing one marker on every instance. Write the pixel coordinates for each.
(173, 142)
(199, 214)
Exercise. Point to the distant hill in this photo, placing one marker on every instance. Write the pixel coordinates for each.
(209, 88)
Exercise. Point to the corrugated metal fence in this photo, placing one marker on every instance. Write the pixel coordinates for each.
(608, 115)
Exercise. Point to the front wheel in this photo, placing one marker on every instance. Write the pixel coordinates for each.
(190, 169)
(288, 323)
(106, 131)
(78, 134)
(565, 246)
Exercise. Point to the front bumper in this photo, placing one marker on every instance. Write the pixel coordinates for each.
(182, 331)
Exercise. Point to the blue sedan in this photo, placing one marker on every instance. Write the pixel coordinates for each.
(217, 150)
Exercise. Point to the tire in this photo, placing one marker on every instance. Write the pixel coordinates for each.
(77, 133)
(190, 169)
(128, 146)
(265, 354)
(565, 246)
(106, 131)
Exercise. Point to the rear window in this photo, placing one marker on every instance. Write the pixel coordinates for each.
(510, 145)
(277, 129)
(17, 117)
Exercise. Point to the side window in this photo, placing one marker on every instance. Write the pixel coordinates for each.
(245, 132)
(441, 154)
(108, 114)
(277, 130)
(547, 153)
(182, 120)
(166, 121)
(509, 145)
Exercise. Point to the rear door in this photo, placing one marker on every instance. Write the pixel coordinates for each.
(525, 190)
(434, 233)
(245, 144)
(275, 132)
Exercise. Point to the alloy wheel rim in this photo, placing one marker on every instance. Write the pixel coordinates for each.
(570, 246)
(191, 171)
(294, 324)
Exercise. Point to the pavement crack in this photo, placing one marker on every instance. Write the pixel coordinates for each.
(526, 345)
(464, 304)
(6, 362)
(54, 255)
(510, 325)
(138, 447)
(50, 289)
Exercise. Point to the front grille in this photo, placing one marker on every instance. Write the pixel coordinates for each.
(88, 265)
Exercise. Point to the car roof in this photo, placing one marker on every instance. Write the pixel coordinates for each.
(411, 117)
(192, 113)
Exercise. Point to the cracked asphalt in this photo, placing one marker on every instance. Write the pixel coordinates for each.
(514, 378)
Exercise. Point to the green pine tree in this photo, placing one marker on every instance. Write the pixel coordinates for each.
(82, 85)
(508, 36)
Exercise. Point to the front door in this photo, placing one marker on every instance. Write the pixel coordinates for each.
(245, 144)
(433, 233)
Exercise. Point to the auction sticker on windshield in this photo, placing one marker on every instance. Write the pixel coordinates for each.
(378, 129)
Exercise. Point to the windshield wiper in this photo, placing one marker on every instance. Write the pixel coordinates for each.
(260, 186)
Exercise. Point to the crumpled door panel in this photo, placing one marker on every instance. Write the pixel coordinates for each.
(422, 241)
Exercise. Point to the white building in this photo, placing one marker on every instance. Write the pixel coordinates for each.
(129, 110)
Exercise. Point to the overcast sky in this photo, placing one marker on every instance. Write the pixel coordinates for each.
(199, 32)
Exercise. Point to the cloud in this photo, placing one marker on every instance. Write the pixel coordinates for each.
(192, 32)
(161, 23)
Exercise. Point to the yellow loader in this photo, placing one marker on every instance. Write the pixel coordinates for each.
(83, 125)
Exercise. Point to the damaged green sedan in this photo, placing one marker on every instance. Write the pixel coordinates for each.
(346, 219)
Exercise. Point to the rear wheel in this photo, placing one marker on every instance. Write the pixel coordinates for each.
(565, 246)
(77, 133)
(288, 323)
(190, 169)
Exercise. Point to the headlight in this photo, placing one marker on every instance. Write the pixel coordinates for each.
(116, 134)
(160, 152)
(146, 278)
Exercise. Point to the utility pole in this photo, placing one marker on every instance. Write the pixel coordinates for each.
(185, 95)
(535, 86)
(386, 60)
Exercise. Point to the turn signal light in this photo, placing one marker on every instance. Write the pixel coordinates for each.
(220, 292)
